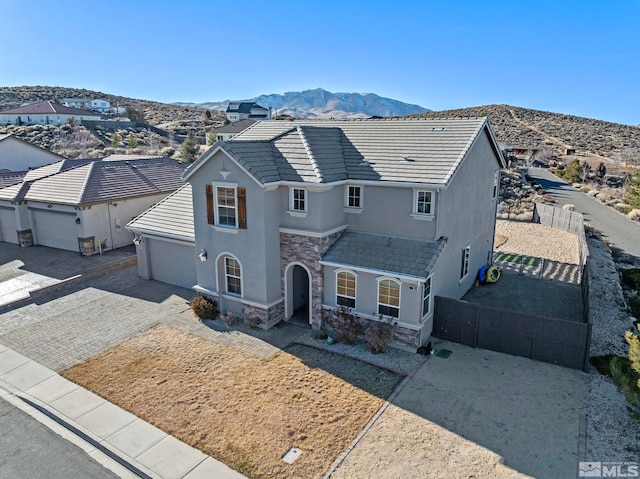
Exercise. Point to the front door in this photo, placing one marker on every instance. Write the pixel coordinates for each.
(297, 292)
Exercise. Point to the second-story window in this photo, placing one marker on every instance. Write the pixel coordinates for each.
(298, 199)
(354, 197)
(423, 203)
(226, 206)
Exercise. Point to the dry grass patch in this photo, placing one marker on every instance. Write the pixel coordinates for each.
(243, 410)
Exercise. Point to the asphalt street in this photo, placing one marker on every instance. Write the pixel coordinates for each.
(30, 450)
(615, 227)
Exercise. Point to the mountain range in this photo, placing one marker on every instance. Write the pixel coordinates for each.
(320, 103)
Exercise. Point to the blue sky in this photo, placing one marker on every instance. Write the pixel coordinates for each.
(575, 57)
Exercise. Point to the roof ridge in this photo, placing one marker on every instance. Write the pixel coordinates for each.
(310, 154)
(83, 190)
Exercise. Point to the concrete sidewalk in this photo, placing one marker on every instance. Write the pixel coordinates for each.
(118, 440)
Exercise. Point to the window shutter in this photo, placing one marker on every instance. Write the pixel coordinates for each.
(242, 208)
(210, 214)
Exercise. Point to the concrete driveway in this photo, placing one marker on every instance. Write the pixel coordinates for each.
(23, 270)
(476, 413)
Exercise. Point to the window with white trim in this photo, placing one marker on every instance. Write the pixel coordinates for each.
(423, 203)
(464, 269)
(389, 298)
(233, 276)
(298, 199)
(426, 297)
(354, 197)
(346, 289)
(226, 206)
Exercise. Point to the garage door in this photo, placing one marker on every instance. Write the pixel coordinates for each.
(56, 230)
(172, 263)
(8, 225)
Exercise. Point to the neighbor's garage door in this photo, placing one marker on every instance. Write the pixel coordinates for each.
(172, 263)
(8, 226)
(56, 230)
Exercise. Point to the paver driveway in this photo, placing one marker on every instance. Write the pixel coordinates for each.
(64, 330)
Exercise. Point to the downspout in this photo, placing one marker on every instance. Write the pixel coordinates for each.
(110, 225)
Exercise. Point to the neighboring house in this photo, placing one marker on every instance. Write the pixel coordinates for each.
(247, 110)
(299, 218)
(20, 155)
(84, 205)
(165, 240)
(45, 113)
(227, 132)
(99, 104)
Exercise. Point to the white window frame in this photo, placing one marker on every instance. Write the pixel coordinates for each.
(426, 296)
(466, 260)
(217, 206)
(348, 196)
(355, 287)
(228, 275)
(416, 196)
(292, 201)
(387, 305)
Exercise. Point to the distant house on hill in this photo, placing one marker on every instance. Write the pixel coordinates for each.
(20, 155)
(99, 104)
(247, 110)
(227, 132)
(45, 113)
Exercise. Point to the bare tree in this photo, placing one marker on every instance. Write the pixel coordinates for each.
(585, 169)
(543, 154)
(77, 140)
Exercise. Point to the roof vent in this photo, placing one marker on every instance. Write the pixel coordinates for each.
(406, 159)
(441, 128)
(364, 162)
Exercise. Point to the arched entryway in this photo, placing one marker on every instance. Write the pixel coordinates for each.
(297, 293)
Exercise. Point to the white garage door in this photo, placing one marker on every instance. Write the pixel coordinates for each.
(8, 226)
(56, 230)
(172, 263)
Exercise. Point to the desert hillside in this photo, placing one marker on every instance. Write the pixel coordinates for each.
(523, 127)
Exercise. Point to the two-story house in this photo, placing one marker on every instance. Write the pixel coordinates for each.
(376, 215)
(247, 110)
(97, 104)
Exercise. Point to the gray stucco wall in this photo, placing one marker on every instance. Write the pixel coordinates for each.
(387, 210)
(467, 216)
(324, 210)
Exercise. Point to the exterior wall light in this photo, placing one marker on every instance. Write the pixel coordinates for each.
(137, 239)
(203, 255)
(78, 221)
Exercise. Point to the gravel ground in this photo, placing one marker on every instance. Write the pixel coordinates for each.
(612, 433)
(534, 239)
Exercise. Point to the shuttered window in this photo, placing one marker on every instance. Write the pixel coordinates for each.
(210, 214)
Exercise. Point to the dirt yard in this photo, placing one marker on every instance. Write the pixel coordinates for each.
(242, 410)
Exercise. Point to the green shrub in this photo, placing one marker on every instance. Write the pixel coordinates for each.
(631, 277)
(602, 363)
(205, 308)
(634, 306)
(626, 379)
(345, 325)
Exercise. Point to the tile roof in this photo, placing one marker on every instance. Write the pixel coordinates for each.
(387, 254)
(79, 182)
(47, 107)
(242, 106)
(236, 127)
(11, 178)
(173, 216)
(320, 151)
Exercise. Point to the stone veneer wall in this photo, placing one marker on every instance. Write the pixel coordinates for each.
(268, 317)
(87, 245)
(308, 251)
(404, 336)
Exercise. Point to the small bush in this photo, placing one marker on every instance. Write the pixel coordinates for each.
(569, 207)
(602, 363)
(626, 379)
(205, 308)
(229, 318)
(631, 277)
(320, 334)
(345, 325)
(585, 189)
(634, 306)
(255, 322)
(378, 336)
(634, 214)
(622, 208)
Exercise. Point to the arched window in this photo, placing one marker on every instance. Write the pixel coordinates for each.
(233, 276)
(389, 297)
(346, 289)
